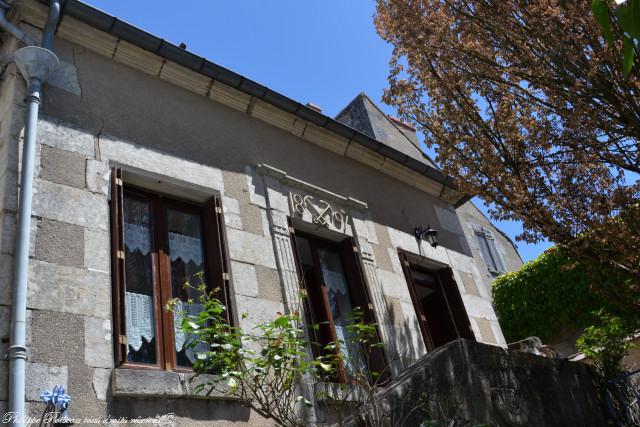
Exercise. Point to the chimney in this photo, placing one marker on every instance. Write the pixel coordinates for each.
(314, 107)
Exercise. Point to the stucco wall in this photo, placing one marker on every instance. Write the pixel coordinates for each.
(99, 113)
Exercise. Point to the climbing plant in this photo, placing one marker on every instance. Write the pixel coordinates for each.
(546, 295)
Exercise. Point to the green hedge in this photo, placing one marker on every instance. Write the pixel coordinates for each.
(543, 297)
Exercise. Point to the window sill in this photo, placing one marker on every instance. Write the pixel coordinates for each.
(146, 383)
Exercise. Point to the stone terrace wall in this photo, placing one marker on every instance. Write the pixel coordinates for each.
(487, 384)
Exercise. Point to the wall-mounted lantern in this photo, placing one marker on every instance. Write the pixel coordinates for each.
(428, 234)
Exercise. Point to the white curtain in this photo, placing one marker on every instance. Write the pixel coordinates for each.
(180, 336)
(186, 247)
(139, 312)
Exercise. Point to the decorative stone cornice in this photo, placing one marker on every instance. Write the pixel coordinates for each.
(283, 177)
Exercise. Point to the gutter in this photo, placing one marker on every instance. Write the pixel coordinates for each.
(35, 64)
(144, 40)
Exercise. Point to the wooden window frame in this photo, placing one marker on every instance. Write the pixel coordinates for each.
(316, 302)
(215, 261)
(452, 297)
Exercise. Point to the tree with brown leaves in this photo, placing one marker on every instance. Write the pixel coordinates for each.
(528, 107)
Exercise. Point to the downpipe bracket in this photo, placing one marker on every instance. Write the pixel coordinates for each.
(16, 352)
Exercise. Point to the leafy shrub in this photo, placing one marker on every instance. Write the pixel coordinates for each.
(264, 367)
(607, 342)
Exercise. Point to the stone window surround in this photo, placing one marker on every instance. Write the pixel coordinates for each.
(277, 185)
(158, 204)
(444, 277)
(153, 383)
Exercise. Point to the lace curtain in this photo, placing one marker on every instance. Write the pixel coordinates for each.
(140, 322)
(340, 305)
(181, 337)
(187, 248)
(139, 313)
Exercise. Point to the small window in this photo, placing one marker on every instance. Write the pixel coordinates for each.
(158, 245)
(441, 314)
(487, 244)
(334, 284)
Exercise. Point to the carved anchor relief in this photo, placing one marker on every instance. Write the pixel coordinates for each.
(322, 213)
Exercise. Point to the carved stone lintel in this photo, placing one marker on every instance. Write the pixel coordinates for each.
(284, 178)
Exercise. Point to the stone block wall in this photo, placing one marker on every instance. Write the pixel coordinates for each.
(69, 279)
(70, 284)
(69, 298)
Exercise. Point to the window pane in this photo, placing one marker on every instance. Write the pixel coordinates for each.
(341, 307)
(139, 309)
(187, 266)
(304, 251)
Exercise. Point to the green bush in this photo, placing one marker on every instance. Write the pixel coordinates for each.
(607, 342)
(545, 296)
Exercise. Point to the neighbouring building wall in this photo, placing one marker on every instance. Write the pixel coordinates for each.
(99, 113)
(474, 221)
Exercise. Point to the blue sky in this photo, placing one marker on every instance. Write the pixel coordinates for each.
(325, 52)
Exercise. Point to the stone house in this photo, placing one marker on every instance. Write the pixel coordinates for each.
(154, 164)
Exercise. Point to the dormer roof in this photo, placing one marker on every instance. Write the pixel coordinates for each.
(365, 116)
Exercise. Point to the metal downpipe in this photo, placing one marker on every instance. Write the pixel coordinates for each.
(35, 64)
(51, 24)
(17, 350)
(15, 31)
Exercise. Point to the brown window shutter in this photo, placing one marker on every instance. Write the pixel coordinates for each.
(422, 322)
(455, 303)
(361, 298)
(117, 267)
(217, 270)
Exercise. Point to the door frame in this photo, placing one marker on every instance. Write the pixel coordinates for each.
(451, 296)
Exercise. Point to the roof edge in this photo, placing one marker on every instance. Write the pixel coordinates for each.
(151, 43)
